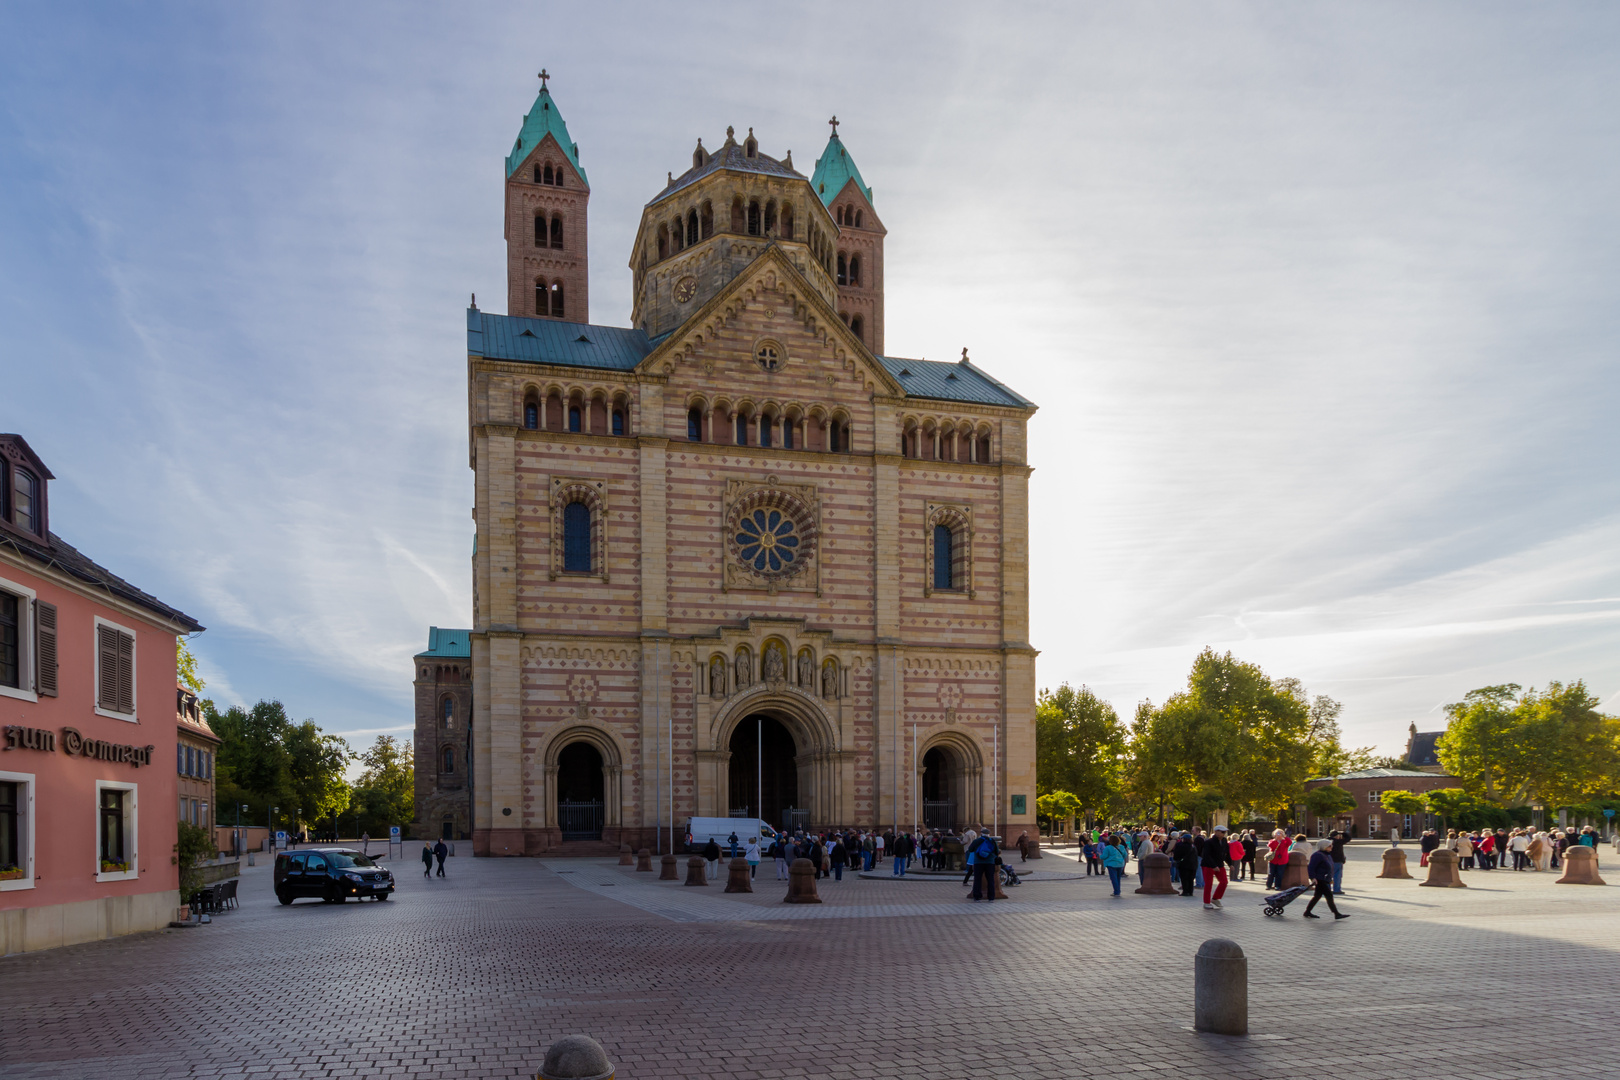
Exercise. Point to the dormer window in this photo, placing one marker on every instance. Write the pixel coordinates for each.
(25, 501)
(22, 488)
(751, 145)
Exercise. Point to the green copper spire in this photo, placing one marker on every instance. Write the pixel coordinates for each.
(543, 117)
(835, 168)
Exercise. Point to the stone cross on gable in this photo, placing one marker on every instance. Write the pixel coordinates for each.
(834, 123)
(543, 77)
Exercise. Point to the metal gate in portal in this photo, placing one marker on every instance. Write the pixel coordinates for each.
(580, 820)
(940, 815)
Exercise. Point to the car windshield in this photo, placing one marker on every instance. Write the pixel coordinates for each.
(341, 859)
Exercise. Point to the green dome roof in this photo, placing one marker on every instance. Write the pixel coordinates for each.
(543, 118)
(834, 169)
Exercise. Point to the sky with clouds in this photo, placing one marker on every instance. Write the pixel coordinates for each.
(1318, 302)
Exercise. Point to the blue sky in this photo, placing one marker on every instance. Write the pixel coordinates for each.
(1318, 302)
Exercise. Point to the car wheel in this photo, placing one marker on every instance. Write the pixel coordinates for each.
(284, 898)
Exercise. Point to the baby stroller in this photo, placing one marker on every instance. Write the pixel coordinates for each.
(1274, 904)
(1009, 876)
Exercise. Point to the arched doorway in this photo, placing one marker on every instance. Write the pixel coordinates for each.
(579, 791)
(943, 790)
(764, 775)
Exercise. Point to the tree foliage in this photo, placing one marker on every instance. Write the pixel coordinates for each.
(1232, 730)
(1329, 801)
(193, 844)
(1402, 802)
(265, 760)
(1078, 743)
(185, 666)
(385, 794)
(1451, 804)
(1550, 746)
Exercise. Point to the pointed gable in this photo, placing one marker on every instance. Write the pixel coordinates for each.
(770, 300)
(835, 168)
(543, 119)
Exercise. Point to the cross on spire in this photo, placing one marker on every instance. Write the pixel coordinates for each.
(834, 123)
(543, 77)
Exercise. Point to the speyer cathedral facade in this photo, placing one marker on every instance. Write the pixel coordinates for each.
(735, 558)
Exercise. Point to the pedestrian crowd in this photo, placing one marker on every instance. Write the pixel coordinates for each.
(1487, 849)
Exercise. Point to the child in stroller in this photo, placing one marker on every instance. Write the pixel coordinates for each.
(1274, 904)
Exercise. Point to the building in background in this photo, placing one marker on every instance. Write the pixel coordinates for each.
(733, 558)
(194, 755)
(87, 677)
(1369, 819)
(1423, 751)
(444, 700)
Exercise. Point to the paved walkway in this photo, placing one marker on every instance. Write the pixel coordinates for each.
(473, 976)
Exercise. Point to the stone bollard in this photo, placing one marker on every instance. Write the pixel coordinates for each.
(1443, 870)
(1580, 866)
(644, 860)
(576, 1057)
(738, 880)
(1221, 988)
(1394, 864)
(1156, 875)
(695, 871)
(1296, 872)
(626, 856)
(666, 870)
(801, 883)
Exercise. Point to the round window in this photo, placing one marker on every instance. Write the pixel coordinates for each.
(771, 534)
(770, 355)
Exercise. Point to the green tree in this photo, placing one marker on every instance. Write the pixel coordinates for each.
(193, 844)
(1402, 802)
(385, 794)
(252, 763)
(1450, 804)
(1550, 746)
(1078, 744)
(1058, 807)
(1329, 801)
(1199, 804)
(185, 665)
(1233, 729)
(316, 763)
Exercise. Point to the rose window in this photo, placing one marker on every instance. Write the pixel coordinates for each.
(768, 541)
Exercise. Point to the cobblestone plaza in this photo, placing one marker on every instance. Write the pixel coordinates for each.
(475, 975)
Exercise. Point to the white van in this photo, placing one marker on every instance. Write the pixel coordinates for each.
(700, 829)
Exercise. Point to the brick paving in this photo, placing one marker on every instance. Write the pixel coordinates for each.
(475, 975)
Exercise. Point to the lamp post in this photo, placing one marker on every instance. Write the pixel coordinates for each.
(270, 828)
(238, 843)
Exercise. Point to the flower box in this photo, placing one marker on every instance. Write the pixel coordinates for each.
(114, 867)
(11, 873)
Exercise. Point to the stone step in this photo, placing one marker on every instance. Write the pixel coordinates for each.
(584, 849)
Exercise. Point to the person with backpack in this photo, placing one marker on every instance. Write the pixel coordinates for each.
(986, 854)
(1215, 858)
(1113, 860)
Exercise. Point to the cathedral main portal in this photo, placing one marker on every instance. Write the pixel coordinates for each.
(764, 770)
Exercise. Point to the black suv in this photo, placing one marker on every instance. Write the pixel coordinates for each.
(333, 874)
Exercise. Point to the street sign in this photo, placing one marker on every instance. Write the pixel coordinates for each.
(281, 838)
(1608, 813)
(393, 834)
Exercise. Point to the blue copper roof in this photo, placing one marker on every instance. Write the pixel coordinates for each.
(543, 119)
(551, 341)
(834, 169)
(944, 381)
(450, 644)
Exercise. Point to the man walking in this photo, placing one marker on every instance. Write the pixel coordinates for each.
(1215, 858)
(1320, 869)
(1185, 856)
(440, 851)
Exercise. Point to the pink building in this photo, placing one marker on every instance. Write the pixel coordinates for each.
(87, 733)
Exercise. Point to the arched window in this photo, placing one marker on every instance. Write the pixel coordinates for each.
(556, 232)
(574, 419)
(838, 215)
(558, 179)
(787, 433)
(447, 712)
(742, 430)
(694, 425)
(577, 538)
(447, 760)
(708, 220)
(618, 421)
(537, 174)
(787, 221)
(854, 269)
(549, 174)
(541, 300)
(766, 424)
(843, 270)
(539, 230)
(857, 327)
(751, 145)
(737, 217)
(770, 216)
(531, 415)
(942, 557)
(556, 300)
(753, 219)
(984, 448)
(663, 241)
(837, 437)
(859, 214)
(691, 227)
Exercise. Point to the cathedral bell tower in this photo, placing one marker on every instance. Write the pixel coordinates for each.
(859, 264)
(547, 274)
